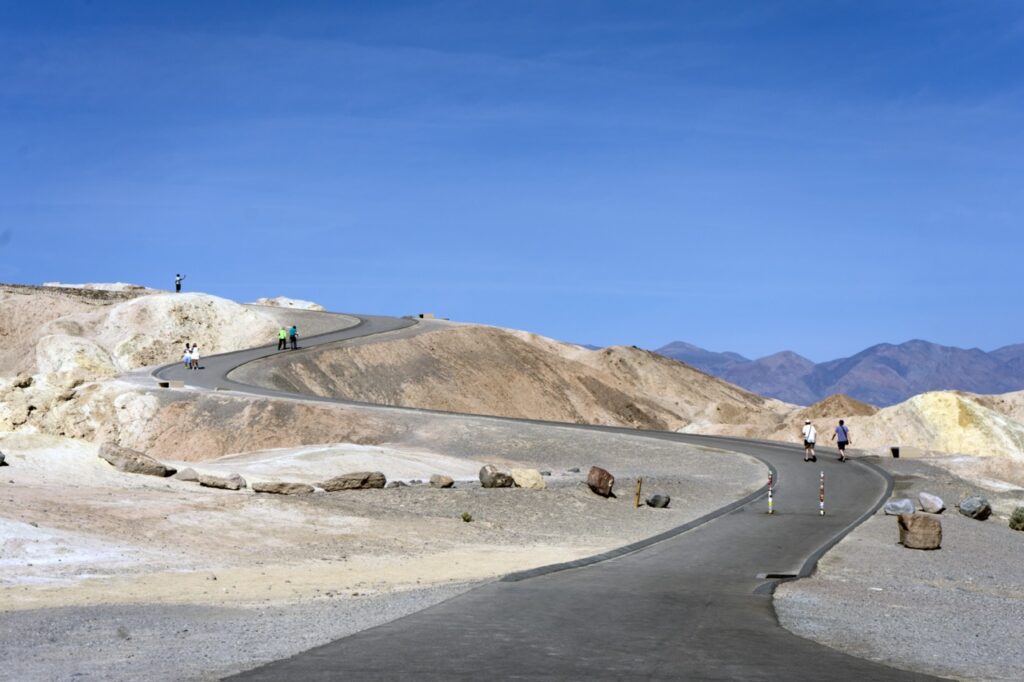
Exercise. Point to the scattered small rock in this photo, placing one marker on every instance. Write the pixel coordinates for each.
(545, 473)
(490, 477)
(899, 506)
(573, 470)
(976, 507)
(123, 633)
(397, 484)
(600, 481)
(920, 532)
(441, 481)
(3, 463)
(932, 504)
(1017, 519)
(229, 482)
(658, 501)
(281, 488)
(187, 474)
(360, 480)
(529, 479)
(467, 517)
(132, 461)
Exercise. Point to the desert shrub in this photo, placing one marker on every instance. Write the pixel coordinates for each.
(1017, 519)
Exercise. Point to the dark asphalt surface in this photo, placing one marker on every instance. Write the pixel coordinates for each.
(691, 604)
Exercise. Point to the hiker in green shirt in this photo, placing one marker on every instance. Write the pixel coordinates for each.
(282, 339)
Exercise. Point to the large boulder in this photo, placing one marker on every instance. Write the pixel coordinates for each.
(658, 501)
(133, 461)
(528, 478)
(918, 531)
(932, 504)
(976, 507)
(600, 481)
(3, 460)
(281, 488)
(229, 482)
(360, 480)
(490, 477)
(441, 481)
(899, 506)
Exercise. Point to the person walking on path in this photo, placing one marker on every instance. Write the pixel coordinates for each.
(293, 336)
(187, 357)
(843, 434)
(810, 435)
(195, 356)
(177, 283)
(282, 339)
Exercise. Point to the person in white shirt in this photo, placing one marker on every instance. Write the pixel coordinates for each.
(195, 356)
(810, 435)
(187, 357)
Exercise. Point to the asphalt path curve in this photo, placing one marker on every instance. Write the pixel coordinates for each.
(693, 603)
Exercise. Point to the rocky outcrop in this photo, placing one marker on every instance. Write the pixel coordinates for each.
(229, 482)
(133, 462)
(658, 501)
(281, 488)
(359, 480)
(918, 531)
(490, 477)
(601, 481)
(899, 506)
(528, 478)
(3, 460)
(1017, 519)
(441, 481)
(975, 507)
(932, 504)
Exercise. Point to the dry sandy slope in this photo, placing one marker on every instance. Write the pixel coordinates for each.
(486, 370)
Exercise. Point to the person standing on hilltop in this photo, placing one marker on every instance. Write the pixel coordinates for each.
(195, 356)
(187, 357)
(177, 283)
(293, 336)
(282, 339)
(843, 433)
(810, 435)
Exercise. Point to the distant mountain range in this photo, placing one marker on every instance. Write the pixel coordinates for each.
(883, 375)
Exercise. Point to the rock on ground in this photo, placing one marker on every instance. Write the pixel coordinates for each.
(658, 501)
(490, 477)
(187, 474)
(359, 480)
(528, 478)
(975, 507)
(232, 482)
(281, 488)
(919, 532)
(441, 481)
(132, 461)
(899, 506)
(600, 481)
(932, 504)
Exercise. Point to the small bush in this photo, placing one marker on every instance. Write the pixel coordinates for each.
(467, 517)
(1017, 519)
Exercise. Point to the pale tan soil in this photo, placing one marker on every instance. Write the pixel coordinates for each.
(76, 531)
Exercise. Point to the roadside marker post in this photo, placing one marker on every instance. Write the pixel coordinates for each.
(821, 495)
(771, 488)
(639, 484)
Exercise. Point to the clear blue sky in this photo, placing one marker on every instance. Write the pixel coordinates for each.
(813, 176)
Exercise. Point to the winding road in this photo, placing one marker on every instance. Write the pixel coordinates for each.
(691, 604)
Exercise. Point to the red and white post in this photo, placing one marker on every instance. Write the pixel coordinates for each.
(821, 495)
(771, 489)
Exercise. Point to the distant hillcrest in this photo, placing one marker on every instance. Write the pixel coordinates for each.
(885, 374)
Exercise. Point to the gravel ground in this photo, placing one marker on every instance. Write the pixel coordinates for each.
(954, 612)
(167, 642)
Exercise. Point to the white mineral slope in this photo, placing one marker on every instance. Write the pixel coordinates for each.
(285, 302)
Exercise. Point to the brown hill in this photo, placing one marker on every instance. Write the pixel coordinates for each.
(837, 406)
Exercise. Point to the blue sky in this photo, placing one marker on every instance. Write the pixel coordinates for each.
(754, 177)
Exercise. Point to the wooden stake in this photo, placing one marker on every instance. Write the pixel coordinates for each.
(636, 500)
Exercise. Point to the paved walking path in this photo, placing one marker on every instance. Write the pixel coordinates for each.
(696, 605)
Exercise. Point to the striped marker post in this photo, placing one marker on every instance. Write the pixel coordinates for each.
(821, 495)
(771, 488)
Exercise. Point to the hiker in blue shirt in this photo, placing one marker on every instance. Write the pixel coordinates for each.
(843, 433)
(293, 336)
